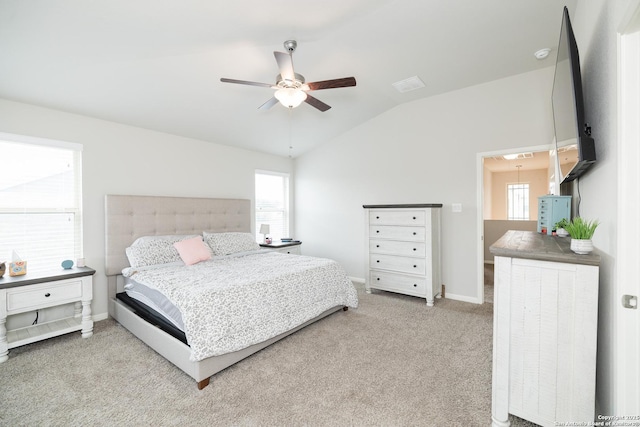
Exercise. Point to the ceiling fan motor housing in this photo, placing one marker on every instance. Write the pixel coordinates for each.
(290, 45)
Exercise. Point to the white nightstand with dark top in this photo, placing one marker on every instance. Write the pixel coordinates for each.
(284, 247)
(33, 291)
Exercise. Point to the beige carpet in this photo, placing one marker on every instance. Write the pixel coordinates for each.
(391, 362)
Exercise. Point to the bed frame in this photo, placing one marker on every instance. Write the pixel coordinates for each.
(130, 217)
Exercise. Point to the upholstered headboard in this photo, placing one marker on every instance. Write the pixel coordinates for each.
(130, 217)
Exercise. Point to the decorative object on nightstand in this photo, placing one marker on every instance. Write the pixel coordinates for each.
(265, 230)
(3, 268)
(17, 267)
(67, 264)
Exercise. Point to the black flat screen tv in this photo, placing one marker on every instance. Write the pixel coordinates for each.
(575, 148)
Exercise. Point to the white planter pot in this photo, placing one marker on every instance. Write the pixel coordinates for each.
(581, 246)
(561, 232)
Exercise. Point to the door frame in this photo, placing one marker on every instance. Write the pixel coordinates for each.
(626, 399)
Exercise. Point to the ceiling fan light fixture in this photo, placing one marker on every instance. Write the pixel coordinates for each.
(290, 97)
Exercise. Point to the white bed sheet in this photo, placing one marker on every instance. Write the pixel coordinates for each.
(229, 303)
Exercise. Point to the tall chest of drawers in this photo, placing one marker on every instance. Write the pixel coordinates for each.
(551, 209)
(402, 249)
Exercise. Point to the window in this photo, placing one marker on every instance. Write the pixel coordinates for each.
(40, 201)
(272, 204)
(518, 202)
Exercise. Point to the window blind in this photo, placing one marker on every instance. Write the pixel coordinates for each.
(40, 201)
(272, 204)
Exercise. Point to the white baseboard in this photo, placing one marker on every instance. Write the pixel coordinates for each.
(101, 316)
(357, 280)
(463, 298)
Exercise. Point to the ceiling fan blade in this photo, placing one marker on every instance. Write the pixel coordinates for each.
(315, 102)
(332, 84)
(270, 103)
(244, 82)
(285, 64)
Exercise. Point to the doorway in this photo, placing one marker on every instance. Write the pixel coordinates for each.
(498, 171)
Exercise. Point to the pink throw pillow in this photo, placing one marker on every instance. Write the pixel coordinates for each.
(193, 250)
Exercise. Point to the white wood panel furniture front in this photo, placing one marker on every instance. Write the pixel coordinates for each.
(545, 331)
(285, 247)
(33, 292)
(402, 249)
(130, 217)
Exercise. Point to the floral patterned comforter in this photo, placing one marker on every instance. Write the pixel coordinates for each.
(230, 303)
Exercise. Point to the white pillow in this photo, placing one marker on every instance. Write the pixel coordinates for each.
(230, 243)
(153, 250)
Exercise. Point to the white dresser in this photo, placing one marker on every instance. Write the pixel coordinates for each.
(402, 252)
(545, 326)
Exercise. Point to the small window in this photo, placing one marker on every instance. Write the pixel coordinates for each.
(40, 201)
(518, 202)
(272, 204)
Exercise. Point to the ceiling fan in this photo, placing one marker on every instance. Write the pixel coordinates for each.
(291, 88)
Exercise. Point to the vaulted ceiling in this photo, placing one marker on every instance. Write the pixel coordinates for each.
(157, 64)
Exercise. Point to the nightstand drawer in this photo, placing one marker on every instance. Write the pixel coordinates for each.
(44, 295)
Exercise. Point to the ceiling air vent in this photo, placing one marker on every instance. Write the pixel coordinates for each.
(409, 84)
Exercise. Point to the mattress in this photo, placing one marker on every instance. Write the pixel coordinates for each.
(154, 300)
(151, 316)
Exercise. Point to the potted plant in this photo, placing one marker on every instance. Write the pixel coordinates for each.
(581, 232)
(561, 228)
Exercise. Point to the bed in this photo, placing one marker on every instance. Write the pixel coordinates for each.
(197, 350)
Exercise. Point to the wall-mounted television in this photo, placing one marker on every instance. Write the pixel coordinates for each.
(575, 148)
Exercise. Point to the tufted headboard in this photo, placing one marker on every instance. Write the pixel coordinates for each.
(130, 217)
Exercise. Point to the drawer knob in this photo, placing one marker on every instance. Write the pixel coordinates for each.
(377, 217)
(414, 233)
(377, 246)
(47, 295)
(377, 231)
(415, 266)
(378, 279)
(415, 285)
(414, 249)
(414, 217)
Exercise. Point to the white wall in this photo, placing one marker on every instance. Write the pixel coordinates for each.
(595, 24)
(120, 159)
(419, 152)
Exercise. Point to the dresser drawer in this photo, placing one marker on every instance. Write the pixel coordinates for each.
(44, 295)
(398, 283)
(398, 263)
(393, 247)
(411, 234)
(385, 217)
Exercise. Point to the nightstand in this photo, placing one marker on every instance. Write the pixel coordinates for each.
(35, 291)
(284, 247)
